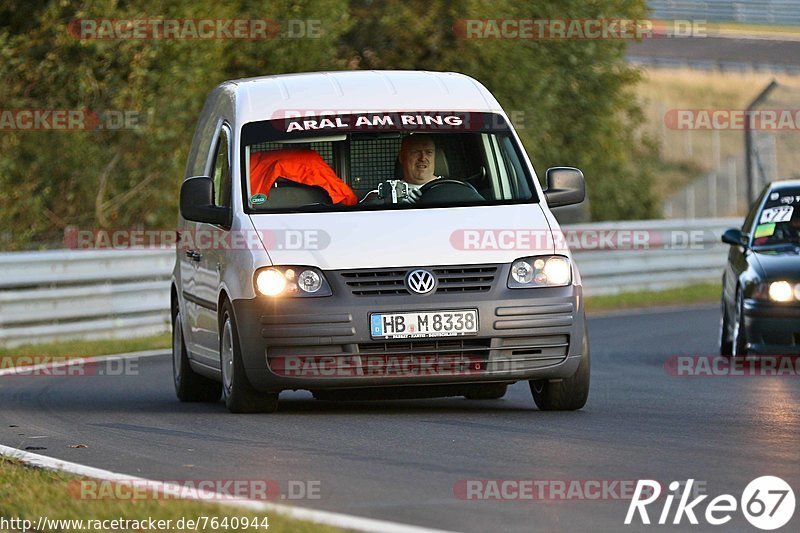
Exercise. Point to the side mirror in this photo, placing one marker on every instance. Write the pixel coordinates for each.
(734, 237)
(197, 202)
(565, 186)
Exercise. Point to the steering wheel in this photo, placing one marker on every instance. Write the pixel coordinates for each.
(431, 185)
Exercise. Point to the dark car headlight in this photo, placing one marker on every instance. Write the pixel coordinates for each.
(777, 291)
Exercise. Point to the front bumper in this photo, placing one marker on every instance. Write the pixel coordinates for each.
(772, 329)
(325, 343)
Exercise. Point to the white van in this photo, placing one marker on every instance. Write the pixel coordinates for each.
(371, 233)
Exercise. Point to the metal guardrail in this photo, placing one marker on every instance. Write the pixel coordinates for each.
(67, 294)
(713, 65)
(692, 253)
(782, 12)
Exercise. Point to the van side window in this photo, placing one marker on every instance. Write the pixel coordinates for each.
(222, 171)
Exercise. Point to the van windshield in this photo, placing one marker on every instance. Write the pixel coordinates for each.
(373, 161)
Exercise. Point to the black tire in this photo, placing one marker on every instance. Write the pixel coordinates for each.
(739, 343)
(189, 385)
(492, 391)
(238, 393)
(568, 394)
(725, 342)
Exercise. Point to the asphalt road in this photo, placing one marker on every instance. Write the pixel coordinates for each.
(400, 460)
(719, 50)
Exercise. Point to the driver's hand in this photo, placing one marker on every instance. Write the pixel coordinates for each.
(411, 196)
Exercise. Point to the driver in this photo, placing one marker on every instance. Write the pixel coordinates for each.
(417, 157)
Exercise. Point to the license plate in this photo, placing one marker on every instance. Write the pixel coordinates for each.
(424, 324)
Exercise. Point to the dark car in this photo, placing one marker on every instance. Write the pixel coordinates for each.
(761, 283)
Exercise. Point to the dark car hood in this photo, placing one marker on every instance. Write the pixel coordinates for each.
(779, 264)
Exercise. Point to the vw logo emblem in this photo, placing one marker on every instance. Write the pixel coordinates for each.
(421, 281)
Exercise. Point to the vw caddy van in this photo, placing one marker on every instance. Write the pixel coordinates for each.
(371, 234)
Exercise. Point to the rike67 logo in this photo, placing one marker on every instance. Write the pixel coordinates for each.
(767, 503)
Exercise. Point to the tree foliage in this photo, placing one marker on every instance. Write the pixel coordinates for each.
(572, 99)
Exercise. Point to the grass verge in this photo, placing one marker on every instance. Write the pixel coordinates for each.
(30, 493)
(80, 348)
(691, 294)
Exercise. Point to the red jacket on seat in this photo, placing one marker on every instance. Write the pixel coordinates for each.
(301, 165)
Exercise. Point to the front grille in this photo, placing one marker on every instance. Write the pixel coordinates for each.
(375, 282)
(465, 279)
(382, 282)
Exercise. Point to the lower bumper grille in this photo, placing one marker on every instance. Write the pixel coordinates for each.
(473, 348)
(445, 357)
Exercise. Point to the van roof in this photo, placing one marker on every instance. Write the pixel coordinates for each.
(357, 91)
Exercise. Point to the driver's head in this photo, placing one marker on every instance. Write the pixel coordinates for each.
(417, 157)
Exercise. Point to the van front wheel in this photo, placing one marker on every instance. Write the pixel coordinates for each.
(568, 394)
(238, 393)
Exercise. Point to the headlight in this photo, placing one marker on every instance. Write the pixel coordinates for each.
(781, 291)
(544, 271)
(776, 291)
(270, 282)
(291, 281)
(309, 281)
(522, 272)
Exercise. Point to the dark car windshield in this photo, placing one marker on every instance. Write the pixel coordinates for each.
(778, 223)
(382, 161)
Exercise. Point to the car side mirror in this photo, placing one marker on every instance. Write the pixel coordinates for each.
(197, 202)
(565, 186)
(734, 237)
